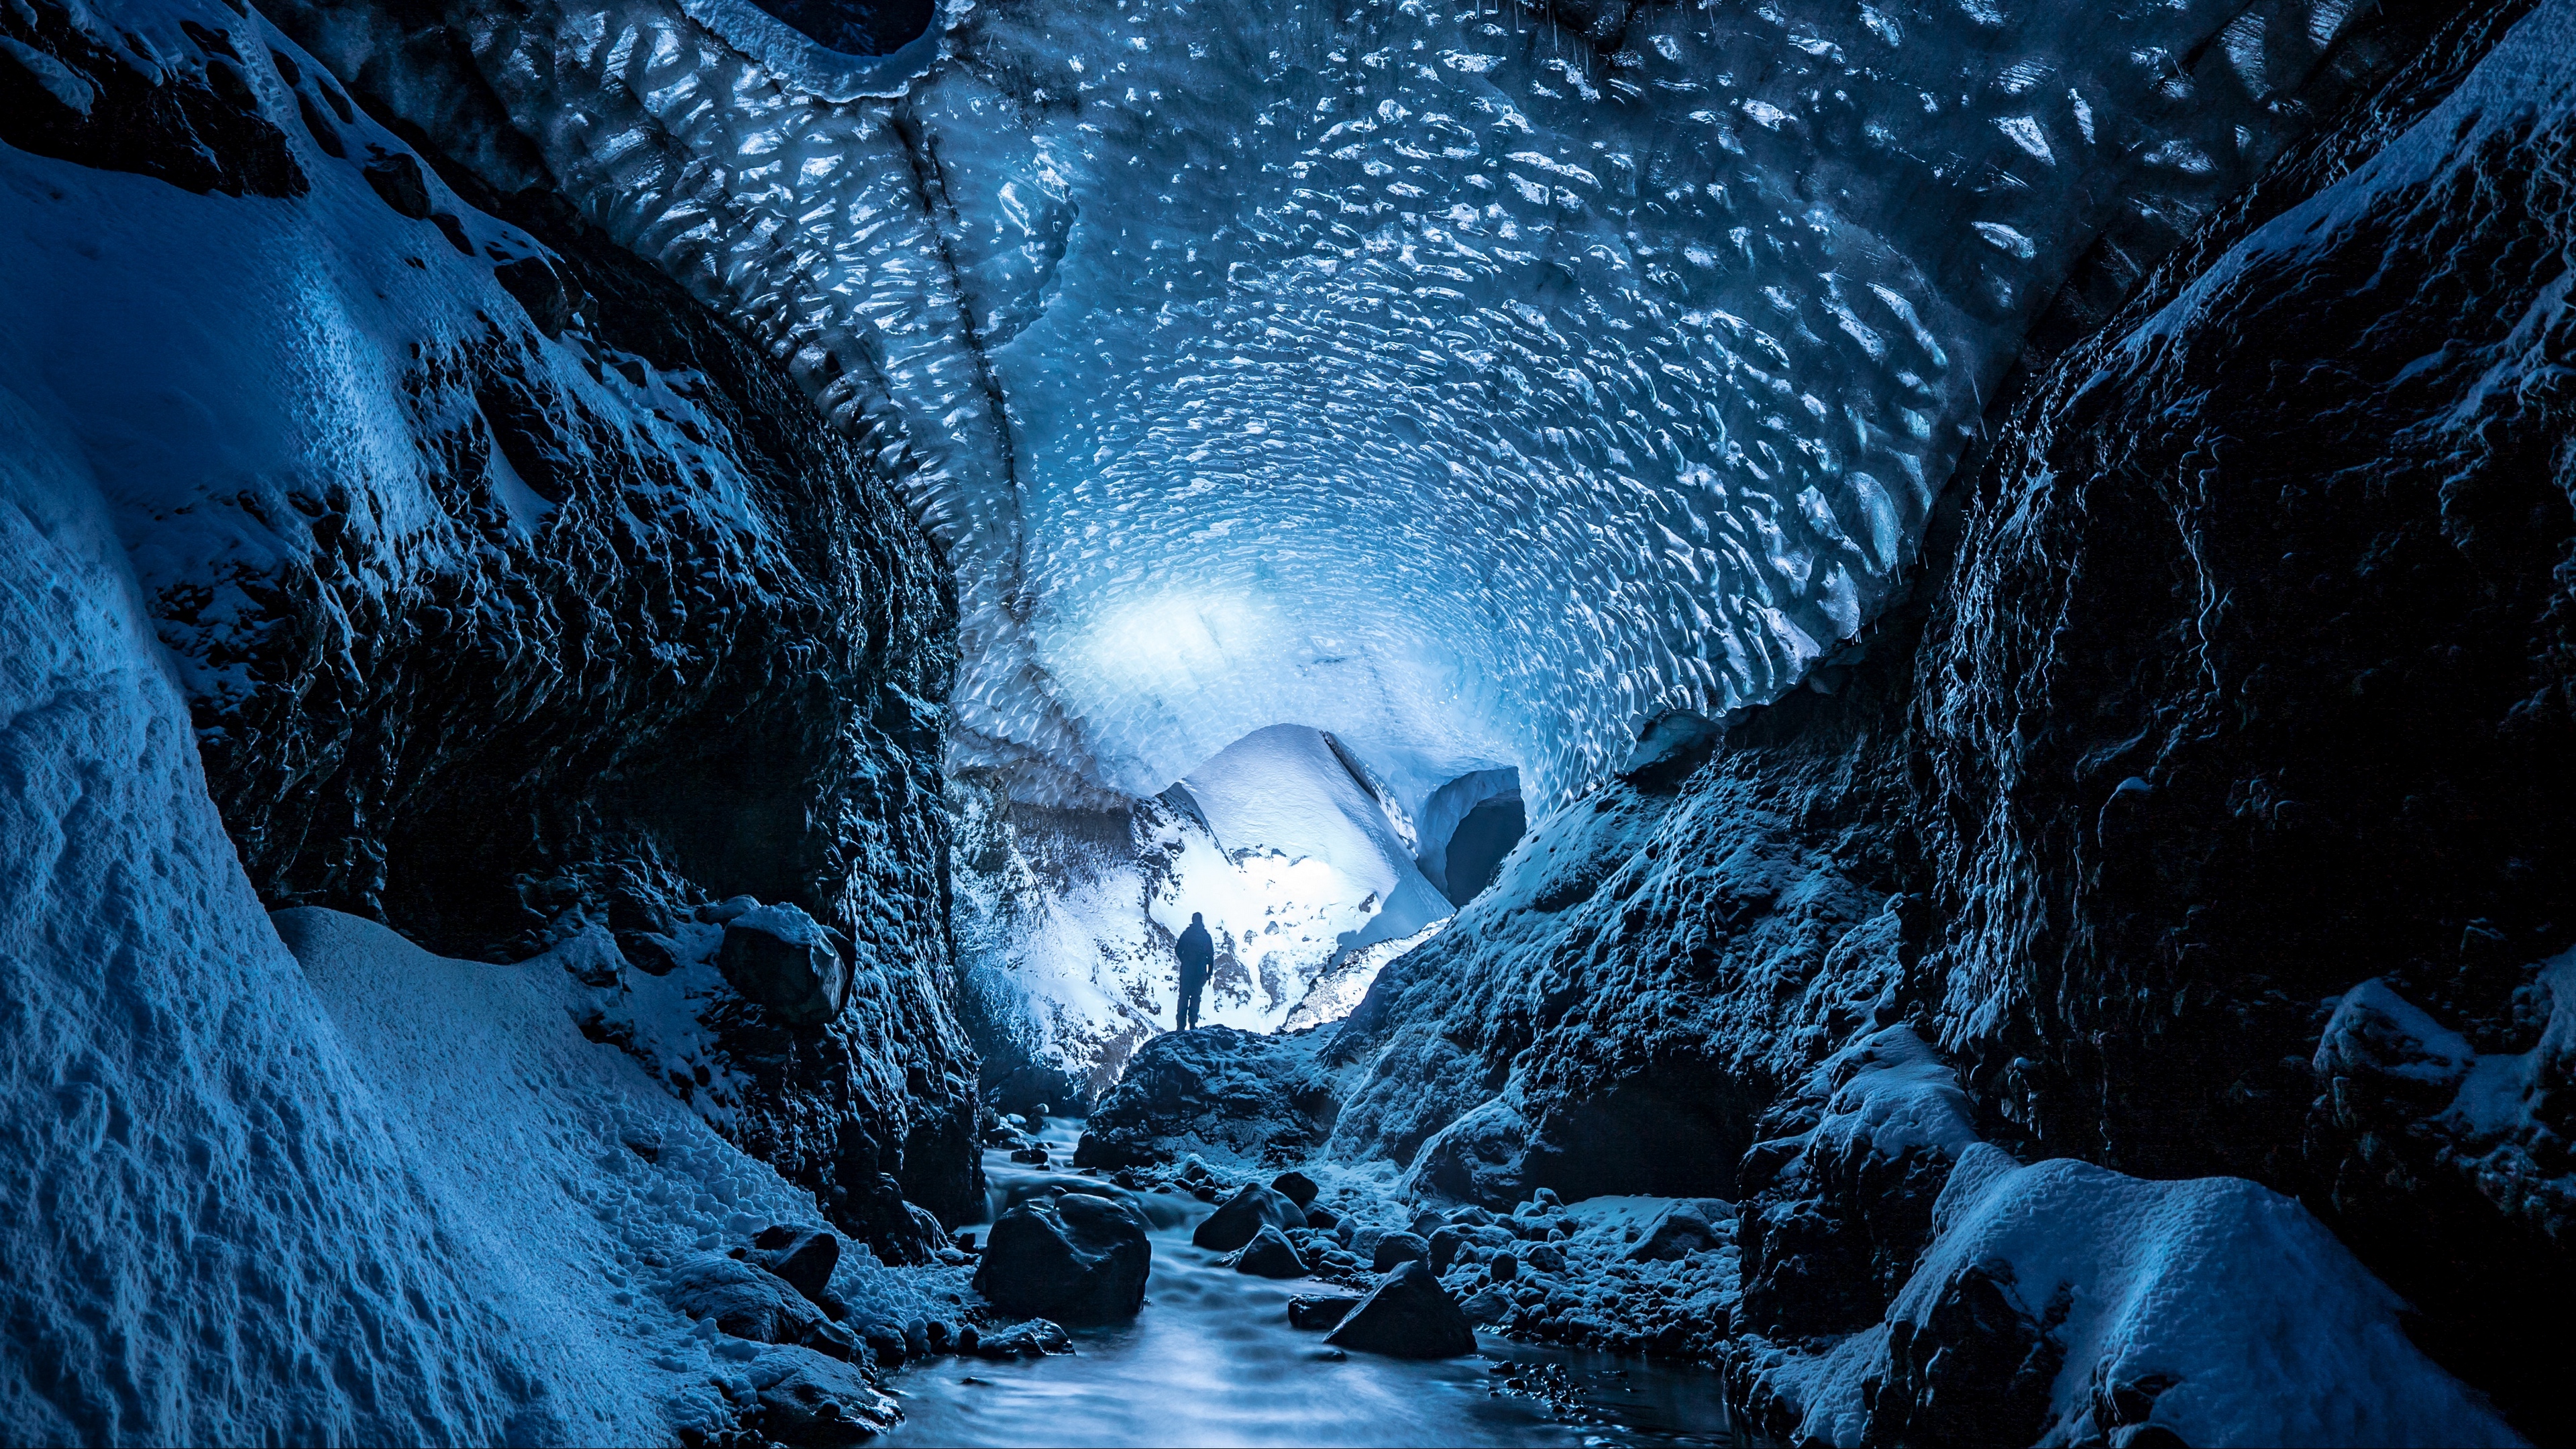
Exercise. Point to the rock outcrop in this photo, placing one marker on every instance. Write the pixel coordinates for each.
(615, 627)
(1074, 1258)
(1231, 1095)
(1408, 1315)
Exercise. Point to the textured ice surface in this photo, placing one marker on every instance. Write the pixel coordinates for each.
(1441, 375)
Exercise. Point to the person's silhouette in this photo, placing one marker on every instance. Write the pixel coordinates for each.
(1198, 954)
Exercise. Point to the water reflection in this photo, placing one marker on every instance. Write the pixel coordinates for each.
(1212, 1361)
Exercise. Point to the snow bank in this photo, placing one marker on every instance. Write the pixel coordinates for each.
(2259, 1327)
(214, 1233)
(560, 1160)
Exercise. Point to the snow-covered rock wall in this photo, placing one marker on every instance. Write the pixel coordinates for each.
(369, 1197)
(512, 596)
(2203, 817)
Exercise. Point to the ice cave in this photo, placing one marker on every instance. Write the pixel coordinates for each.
(1174, 722)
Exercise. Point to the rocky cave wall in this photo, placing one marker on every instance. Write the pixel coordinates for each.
(2206, 808)
(581, 656)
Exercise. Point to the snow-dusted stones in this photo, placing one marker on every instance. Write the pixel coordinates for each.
(1072, 1257)
(1683, 1229)
(743, 1299)
(783, 959)
(807, 1399)
(803, 1259)
(1407, 1315)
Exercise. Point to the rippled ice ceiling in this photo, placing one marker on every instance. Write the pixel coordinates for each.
(1469, 380)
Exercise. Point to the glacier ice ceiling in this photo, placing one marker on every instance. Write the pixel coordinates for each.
(1473, 381)
(1870, 701)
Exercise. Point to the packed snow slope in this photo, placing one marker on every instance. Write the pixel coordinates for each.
(1470, 382)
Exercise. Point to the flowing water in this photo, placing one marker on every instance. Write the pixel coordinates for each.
(1212, 1361)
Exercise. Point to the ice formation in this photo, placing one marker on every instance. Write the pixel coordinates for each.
(1302, 864)
(1470, 381)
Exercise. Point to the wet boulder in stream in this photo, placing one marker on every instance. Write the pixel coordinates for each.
(1684, 1228)
(1244, 1216)
(1076, 1258)
(1270, 1255)
(1319, 1310)
(1408, 1315)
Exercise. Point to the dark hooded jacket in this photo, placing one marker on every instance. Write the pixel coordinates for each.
(1197, 953)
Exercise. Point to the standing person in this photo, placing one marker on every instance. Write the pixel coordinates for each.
(1198, 954)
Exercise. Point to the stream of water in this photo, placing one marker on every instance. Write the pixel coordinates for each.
(1212, 1361)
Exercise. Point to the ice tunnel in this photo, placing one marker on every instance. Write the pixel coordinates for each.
(1472, 381)
(1865, 702)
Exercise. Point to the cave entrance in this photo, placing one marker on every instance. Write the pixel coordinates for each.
(1467, 827)
(856, 27)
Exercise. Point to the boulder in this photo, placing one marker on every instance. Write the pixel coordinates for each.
(1297, 1187)
(780, 958)
(1323, 1219)
(1408, 1315)
(884, 1343)
(1237, 1096)
(1270, 1255)
(1319, 1310)
(804, 1259)
(1397, 1248)
(745, 1299)
(807, 1399)
(1075, 1258)
(1032, 1339)
(1445, 1244)
(1684, 1228)
(1243, 1217)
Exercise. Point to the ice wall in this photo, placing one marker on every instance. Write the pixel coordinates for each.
(1465, 380)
